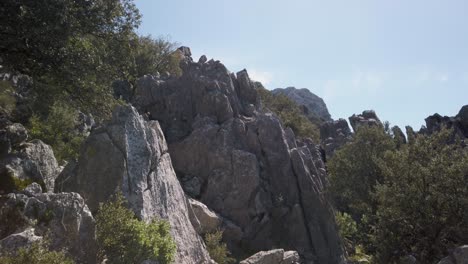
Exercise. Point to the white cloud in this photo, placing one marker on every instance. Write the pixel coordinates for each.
(260, 76)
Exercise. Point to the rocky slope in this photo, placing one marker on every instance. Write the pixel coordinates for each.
(311, 105)
(241, 162)
(129, 154)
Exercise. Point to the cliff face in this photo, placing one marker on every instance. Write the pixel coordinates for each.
(241, 162)
(130, 154)
(311, 104)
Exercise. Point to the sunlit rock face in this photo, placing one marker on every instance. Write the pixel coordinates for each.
(239, 160)
(129, 154)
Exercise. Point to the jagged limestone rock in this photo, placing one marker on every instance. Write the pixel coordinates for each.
(63, 218)
(130, 154)
(252, 171)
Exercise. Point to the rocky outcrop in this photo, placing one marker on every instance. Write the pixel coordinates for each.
(251, 171)
(367, 118)
(458, 256)
(24, 162)
(333, 135)
(311, 105)
(63, 218)
(458, 123)
(275, 256)
(203, 219)
(130, 154)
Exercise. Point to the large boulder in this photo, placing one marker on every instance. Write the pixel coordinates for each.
(458, 256)
(24, 162)
(275, 256)
(268, 186)
(63, 218)
(311, 105)
(367, 118)
(458, 123)
(130, 154)
(206, 220)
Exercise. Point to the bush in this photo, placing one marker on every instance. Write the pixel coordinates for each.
(423, 201)
(58, 129)
(124, 239)
(289, 113)
(37, 253)
(218, 250)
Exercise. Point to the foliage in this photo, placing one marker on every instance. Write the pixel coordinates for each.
(354, 171)
(290, 114)
(58, 129)
(156, 55)
(7, 99)
(423, 200)
(404, 198)
(73, 50)
(125, 239)
(37, 253)
(218, 250)
(349, 233)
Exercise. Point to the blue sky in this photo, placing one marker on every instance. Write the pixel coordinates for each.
(405, 59)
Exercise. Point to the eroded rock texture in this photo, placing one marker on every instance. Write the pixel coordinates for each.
(249, 169)
(130, 154)
(23, 162)
(63, 218)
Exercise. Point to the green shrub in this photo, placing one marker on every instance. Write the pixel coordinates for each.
(58, 129)
(122, 238)
(7, 99)
(218, 250)
(290, 114)
(37, 253)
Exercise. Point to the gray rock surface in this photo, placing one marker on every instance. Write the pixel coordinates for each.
(130, 154)
(334, 134)
(275, 256)
(252, 172)
(367, 118)
(63, 218)
(24, 162)
(208, 220)
(309, 102)
(13, 242)
(458, 256)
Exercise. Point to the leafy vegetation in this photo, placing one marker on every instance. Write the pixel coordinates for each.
(397, 200)
(58, 129)
(290, 114)
(122, 238)
(37, 253)
(218, 250)
(74, 51)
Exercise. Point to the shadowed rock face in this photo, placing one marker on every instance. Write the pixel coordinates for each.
(130, 154)
(251, 171)
(459, 123)
(309, 102)
(63, 218)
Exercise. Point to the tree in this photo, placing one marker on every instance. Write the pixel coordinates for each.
(218, 251)
(73, 50)
(289, 113)
(423, 199)
(354, 171)
(156, 55)
(124, 239)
